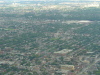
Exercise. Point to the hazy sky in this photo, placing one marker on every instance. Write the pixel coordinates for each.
(47, 0)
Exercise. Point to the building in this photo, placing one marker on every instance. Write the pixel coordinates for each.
(92, 5)
(62, 52)
(67, 67)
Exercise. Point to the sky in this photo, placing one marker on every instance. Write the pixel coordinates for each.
(45, 0)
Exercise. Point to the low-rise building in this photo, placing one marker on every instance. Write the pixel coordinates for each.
(67, 67)
(62, 52)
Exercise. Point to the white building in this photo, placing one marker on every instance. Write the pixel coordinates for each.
(62, 52)
(92, 5)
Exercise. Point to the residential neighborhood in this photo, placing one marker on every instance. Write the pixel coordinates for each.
(50, 38)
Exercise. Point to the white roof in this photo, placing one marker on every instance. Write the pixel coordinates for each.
(63, 51)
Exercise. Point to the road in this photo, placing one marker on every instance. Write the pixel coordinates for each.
(90, 65)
